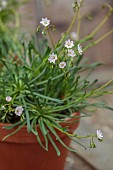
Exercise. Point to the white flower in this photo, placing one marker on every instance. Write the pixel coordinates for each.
(4, 3)
(74, 36)
(71, 53)
(45, 22)
(69, 43)
(19, 110)
(79, 2)
(99, 134)
(80, 49)
(3, 107)
(52, 58)
(62, 64)
(8, 98)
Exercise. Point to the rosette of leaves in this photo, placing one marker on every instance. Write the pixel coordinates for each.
(47, 93)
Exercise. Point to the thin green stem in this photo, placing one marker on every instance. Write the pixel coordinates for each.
(78, 25)
(61, 53)
(70, 27)
(98, 40)
(104, 20)
(72, 23)
(51, 38)
(72, 135)
(87, 136)
(3, 27)
(103, 86)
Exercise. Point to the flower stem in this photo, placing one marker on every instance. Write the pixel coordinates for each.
(101, 24)
(72, 23)
(104, 20)
(73, 135)
(51, 38)
(70, 27)
(103, 86)
(98, 40)
(87, 136)
(78, 26)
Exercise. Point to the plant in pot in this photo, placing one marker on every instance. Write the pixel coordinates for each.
(43, 97)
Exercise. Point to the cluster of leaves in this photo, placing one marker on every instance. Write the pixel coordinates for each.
(47, 93)
(44, 87)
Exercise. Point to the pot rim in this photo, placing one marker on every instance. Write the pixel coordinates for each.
(23, 136)
(25, 126)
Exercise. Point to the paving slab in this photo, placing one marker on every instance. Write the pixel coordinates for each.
(75, 162)
(102, 156)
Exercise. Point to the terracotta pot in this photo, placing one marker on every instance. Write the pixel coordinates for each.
(22, 152)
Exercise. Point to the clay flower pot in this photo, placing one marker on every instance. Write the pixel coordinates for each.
(21, 151)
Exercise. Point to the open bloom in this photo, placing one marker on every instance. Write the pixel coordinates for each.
(19, 110)
(99, 134)
(74, 36)
(52, 58)
(8, 98)
(62, 64)
(4, 3)
(80, 49)
(69, 43)
(79, 2)
(45, 22)
(71, 53)
(3, 107)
